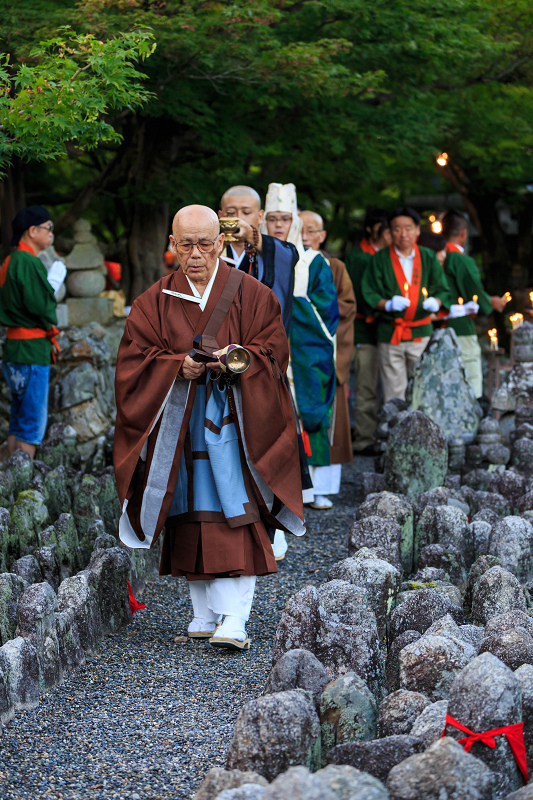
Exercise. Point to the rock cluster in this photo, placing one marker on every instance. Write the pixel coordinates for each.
(63, 577)
(429, 616)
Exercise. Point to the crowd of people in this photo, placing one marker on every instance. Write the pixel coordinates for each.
(233, 374)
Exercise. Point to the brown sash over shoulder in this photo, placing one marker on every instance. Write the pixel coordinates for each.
(231, 287)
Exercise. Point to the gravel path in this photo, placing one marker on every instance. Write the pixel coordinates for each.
(146, 718)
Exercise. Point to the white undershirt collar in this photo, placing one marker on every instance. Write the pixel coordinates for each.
(407, 263)
(207, 292)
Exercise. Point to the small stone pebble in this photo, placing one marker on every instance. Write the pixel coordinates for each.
(153, 711)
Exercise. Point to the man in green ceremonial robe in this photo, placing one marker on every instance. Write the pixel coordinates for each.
(465, 282)
(28, 310)
(365, 352)
(405, 285)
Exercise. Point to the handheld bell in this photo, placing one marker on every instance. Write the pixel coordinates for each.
(235, 358)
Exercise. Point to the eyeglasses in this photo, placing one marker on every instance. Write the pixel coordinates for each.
(311, 231)
(48, 228)
(204, 246)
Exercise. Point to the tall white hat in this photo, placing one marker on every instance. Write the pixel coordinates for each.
(281, 197)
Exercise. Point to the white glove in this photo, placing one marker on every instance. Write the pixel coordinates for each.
(56, 275)
(457, 310)
(471, 307)
(431, 304)
(398, 303)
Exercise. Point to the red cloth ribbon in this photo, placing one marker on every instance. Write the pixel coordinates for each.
(367, 247)
(134, 604)
(513, 733)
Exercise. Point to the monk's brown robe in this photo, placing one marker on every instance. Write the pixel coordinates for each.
(341, 449)
(158, 335)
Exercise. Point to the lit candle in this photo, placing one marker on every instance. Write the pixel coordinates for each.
(460, 301)
(493, 339)
(516, 320)
(507, 297)
(406, 289)
(475, 298)
(531, 298)
(424, 291)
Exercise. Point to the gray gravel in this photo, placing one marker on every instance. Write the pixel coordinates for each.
(147, 717)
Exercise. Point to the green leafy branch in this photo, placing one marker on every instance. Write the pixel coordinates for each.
(66, 90)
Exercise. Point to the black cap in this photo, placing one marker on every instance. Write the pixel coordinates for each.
(32, 215)
(405, 211)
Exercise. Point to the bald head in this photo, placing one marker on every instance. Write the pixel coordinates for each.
(241, 191)
(197, 243)
(313, 233)
(199, 220)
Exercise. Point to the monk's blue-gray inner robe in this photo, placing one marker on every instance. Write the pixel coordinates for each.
(213, 485)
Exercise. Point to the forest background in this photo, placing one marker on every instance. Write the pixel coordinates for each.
(350, 100)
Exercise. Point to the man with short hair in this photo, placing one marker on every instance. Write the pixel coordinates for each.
(405, 285)
(465, 282)
(313, 237)
(315, 318)
(273, 261)
(28, 309)
(365, 352)
(209, 455)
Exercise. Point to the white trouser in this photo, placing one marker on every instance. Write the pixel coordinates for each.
(326, 480)
(279, 545)
(228, 596)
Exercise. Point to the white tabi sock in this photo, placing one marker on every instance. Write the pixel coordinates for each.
(232, 597)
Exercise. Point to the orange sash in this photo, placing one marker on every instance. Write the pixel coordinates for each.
(403, 325)
(36, 333)
(452, 248)
(367, 247)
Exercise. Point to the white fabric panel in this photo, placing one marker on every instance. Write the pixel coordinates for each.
(326, 480)
(165, 449)
(231, 596)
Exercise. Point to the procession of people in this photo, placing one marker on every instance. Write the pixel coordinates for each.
(233, 375)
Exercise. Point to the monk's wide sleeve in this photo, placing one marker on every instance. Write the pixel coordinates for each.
(146, 370)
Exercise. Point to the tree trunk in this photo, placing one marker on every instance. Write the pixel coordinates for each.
(12, 200)
(149, 226)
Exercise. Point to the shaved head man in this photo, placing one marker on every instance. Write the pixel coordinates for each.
(187, 427)
(270, 261)
(327, 479)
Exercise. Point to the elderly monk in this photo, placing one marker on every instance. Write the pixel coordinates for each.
(209, 455)
(340, 449)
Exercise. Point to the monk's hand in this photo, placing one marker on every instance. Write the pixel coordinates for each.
(216, 366)
(246, 234)
(191, 370)
(498, 303)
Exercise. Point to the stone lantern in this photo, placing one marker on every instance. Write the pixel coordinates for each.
(86, 279)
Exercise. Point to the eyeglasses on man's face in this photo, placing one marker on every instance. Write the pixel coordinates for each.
(204, 246)
(49, 227)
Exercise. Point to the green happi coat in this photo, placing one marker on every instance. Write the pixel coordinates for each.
(380, 283)
(26, 301)
(465, 281)
(356, 264)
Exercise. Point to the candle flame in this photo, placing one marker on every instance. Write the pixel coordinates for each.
(442, 159)
(460, 301)
(531, 297)
(507, 297)
(516, 320)
(475, 298)
(424, 291)
(406, 288)
(436, 226)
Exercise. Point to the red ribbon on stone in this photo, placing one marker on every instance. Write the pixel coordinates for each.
(513, 733)
(134, 604)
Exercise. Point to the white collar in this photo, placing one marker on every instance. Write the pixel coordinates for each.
(401, 255)
(207, 290)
